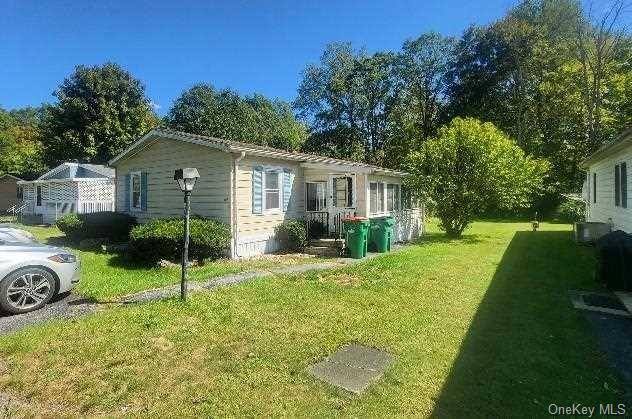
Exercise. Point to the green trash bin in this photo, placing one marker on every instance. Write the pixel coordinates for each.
(382, 233)
(356, 230)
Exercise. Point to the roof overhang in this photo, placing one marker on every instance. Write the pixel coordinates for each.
(623, 141)
(11, 176)
(76, 179)
(252, 150)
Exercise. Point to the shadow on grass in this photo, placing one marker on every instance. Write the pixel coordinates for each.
(526, 347)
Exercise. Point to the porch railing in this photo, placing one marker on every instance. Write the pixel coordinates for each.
(338, 224)
(317, 224)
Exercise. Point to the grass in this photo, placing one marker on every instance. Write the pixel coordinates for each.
(480, 327)
(107, 276)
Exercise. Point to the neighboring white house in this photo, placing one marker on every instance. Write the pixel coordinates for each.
(254, 188)
(68, 188)
(606, 185)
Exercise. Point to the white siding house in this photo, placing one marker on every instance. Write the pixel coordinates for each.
(254, 188)
(606, 187)
(68, 188)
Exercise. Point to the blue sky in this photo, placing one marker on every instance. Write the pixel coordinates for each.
(251, 46)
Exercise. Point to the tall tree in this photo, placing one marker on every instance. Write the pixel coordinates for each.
(21, 151)
(225, 114)
(349, 92)
(100, 111)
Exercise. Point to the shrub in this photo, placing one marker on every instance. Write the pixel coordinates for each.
(71, 226)
(108, 225)
(162, 239)
(292, 234)
(471, 168)
(570, 211)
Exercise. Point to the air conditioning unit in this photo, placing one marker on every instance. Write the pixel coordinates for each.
(589, 232)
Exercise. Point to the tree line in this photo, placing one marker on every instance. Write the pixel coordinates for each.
(554, 78)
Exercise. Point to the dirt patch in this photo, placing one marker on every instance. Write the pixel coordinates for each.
(340, 278)
(162, 343)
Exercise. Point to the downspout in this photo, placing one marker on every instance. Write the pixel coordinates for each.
(235, 209)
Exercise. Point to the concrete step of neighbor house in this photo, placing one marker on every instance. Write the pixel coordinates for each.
(325, 247)
(323, 251)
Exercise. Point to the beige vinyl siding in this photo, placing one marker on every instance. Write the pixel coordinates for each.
(159, 159)
(605, 207)
(252, 226)
(8, 192)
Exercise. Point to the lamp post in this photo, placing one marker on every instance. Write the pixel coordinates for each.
(186, 178)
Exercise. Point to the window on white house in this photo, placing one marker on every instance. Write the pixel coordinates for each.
(392, 197)
(38, 198)
(271, 191)
(621, 185)
(316, 196)
(343, 192)
(136, 190)
(376, 197)
(594, 187)
(20, 193)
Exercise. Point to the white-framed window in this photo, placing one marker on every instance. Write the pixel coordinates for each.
(343, 192)
(135, 189)
(316, 198)
(272, 191)
(20, 193)
(392, 197)
(376, 197)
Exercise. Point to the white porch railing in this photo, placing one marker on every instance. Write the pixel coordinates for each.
(86, 207)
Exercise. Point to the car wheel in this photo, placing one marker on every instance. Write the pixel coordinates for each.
(26, 290)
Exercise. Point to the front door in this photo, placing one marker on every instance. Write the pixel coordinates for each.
(342, 201)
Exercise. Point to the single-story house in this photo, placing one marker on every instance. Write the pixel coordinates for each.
(254, 188)
(68, 188)
(9, 192)
(606, 185)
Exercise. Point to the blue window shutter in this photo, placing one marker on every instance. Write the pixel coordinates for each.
(287, 188)
(257, 190)
(128, 182)
(143, 191)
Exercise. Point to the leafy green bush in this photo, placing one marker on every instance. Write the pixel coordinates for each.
(570, 211)
(471, 168)
(162, 239)
(108, 225)
(71, 226)
(292, 234)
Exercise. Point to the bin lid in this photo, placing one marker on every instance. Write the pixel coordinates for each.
(355, 220)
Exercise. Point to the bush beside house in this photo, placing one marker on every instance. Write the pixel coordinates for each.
(108, 225)
(162, 239)
(292, 234)
(570, 211)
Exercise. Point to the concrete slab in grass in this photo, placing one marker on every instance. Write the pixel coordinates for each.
(353, 367)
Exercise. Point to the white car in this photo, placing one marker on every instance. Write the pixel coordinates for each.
(10, 234)
(32, 273)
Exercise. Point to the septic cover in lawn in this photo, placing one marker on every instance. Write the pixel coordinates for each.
(353, 367)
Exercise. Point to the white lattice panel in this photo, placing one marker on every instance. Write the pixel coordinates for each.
(96, 190)
(62, 191)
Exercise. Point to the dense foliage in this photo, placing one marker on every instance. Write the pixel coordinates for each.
(292, 234)
(113, 226)
(570, 211)
(100, 111)
(162, 239)
(553, 77)
(205, 111)
(472, 167)
(21, 151)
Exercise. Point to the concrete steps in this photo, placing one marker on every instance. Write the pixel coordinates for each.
(325, 247)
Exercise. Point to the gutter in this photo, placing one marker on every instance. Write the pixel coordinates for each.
(234, 203)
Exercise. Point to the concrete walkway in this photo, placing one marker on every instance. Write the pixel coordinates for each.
(69, 306)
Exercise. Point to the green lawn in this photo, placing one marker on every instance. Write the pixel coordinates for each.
(480, 327)
(107, 276)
